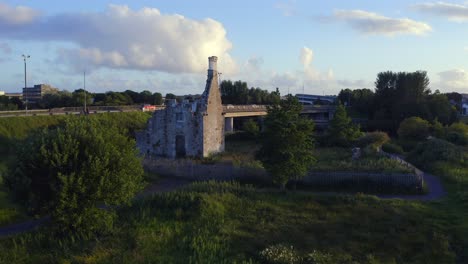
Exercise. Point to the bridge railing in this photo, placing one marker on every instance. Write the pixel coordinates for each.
(244, 108)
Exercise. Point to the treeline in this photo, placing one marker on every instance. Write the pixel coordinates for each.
(397, 96)
(238, 93)
(17, 128)
(10, 104)
(77, 98)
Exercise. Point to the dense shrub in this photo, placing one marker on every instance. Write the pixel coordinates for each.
(74, 166)
(414, 128)
(437, 129)
(457, 133)
(252, 128)
(374, 140)
(392, 148)
(428, 152)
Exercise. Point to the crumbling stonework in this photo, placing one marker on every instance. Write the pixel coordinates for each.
(194, 129)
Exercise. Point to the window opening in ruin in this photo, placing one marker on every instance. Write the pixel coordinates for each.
(180, 146)
(179, 117)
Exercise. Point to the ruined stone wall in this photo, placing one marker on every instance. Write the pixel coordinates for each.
(194, 129)
(213, 120)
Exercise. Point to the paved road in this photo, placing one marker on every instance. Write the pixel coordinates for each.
(436, 191)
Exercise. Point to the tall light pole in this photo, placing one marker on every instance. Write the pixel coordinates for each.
(25, 82)
(84, 88)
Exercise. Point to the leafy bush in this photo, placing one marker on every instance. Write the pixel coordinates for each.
(280, 254)
(392, 148)
(437, 130)
(457, 133)
(373, 139)
(76, 165)
(252, 128)
(414, 128)
(428, 152)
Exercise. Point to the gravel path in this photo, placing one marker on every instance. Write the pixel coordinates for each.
(435, 191)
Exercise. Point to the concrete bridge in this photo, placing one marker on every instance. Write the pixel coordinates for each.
(320, 114)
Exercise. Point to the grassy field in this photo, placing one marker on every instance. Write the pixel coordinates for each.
(228, 223)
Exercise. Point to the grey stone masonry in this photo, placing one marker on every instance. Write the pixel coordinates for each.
(194, 129)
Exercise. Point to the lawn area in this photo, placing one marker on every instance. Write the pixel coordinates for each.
(229, 223)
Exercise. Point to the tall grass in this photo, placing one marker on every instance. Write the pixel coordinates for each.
(203, 225)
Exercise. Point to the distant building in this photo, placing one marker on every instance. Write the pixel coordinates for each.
(2, 93)
(194, 129)
(465, 104)
(32, 95)
(311, 99)
(12, 95)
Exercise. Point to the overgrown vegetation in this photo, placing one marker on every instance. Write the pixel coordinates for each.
(76, 165)
(228, 223)
(14, 130)
(340, 159)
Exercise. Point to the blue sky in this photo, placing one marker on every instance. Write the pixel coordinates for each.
(313, 46)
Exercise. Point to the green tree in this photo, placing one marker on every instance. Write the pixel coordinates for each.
(414, 128)
(341, 131)
(147, 97)
(170, 96)
(287, 143)
(158, 99)
(251, 127)
(79, 97)
(457, 133)
(74, 167)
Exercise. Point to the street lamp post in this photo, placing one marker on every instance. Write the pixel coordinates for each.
(25, 82)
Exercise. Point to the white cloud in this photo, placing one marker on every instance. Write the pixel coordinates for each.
(287, 8)
(453, 80)
(454, 12)
(18, 15)
(353, 84)
(123, 38)
(306, 56)
(254, 64)
(5, 48)
(375, 24)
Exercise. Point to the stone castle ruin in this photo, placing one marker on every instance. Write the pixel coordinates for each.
(194, 129)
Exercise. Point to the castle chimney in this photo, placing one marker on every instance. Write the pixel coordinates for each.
(212, 63)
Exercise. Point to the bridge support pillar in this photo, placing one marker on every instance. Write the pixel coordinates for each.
(228, 124)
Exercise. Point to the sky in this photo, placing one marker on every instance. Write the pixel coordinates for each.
(316, 47)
